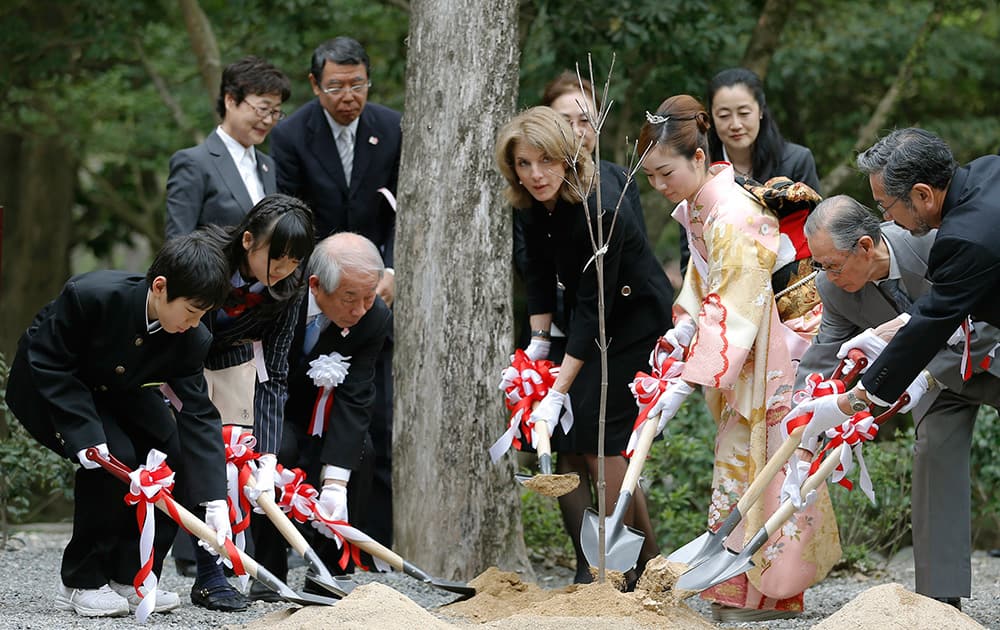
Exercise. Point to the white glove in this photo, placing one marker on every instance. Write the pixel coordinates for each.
(264, 481)
(826, 415)
(538, 349)
(549, 410)
(920, 386)
(679, 337)
(332, 503)
(868, 342)
(81, 455)
(669, 402)
(791, 490)
(217, 517)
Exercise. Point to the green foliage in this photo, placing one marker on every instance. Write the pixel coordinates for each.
(544, 534)
(986, 479)
(31, 476)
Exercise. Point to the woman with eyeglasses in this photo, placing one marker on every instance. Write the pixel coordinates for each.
(217, 183)
(738, 349)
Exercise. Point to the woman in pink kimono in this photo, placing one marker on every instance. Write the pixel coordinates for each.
(740, 352)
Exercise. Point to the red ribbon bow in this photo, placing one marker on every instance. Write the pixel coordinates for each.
(523, 390)
(240, 300)
(297, 497)
(856, 430)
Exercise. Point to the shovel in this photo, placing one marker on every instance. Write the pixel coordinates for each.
(377, 550)
(726, 564)
(622, 544)
(192, 524)
(711, 543)
(546, 482)
(338, 586)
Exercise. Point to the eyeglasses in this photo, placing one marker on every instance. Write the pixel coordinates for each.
(885, 209)
(357, 88)
(266, 112)
(834, 269)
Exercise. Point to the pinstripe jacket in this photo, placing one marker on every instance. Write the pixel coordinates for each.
(232, 345)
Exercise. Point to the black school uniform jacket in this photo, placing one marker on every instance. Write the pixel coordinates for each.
(88, 353)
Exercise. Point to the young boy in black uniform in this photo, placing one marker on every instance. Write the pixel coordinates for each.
(87, 373)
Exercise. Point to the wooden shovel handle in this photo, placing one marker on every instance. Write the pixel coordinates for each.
(170, 506)
(770, 469)
(377, 550)
(280, 520)
(635, 464)
(543, 445)
(814, 481)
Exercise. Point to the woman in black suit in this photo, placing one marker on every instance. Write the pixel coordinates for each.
(547, 178)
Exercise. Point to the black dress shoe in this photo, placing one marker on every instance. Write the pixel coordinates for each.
(223, 598)
(259, 592)
(994, 552)
(951, 601)
(186, 568)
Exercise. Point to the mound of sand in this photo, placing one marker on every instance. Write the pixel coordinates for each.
(892, 607)
(370, 606)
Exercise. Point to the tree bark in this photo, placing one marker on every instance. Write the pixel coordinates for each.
(206, 49)
(456, 512)
(866, 135)
(766, 35)
(38, 180)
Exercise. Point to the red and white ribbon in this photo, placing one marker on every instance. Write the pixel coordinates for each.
(854, 432)
(295, 497)
(327, 371)
(345, 535)
(816, 386)
(647, 389)
(524, 383)
(239, 454)
(149, 483)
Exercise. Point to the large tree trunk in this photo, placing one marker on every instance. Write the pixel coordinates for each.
(37, 185)
(766, 35)
(206, 49)
(456, 512)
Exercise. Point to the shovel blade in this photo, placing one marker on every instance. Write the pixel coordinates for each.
(461, 588)
(695, 551)
(337, 586)
(621, 544)
(715, 569)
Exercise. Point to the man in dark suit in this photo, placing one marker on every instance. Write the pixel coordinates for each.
(328, 413)
(85, 375)
(340, 154)
(219, 180)
(871, 274)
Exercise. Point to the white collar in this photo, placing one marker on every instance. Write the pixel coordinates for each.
(236, 150)
(336, 127)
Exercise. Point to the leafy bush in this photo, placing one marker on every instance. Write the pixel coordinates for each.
(985, 479)
(32, 478)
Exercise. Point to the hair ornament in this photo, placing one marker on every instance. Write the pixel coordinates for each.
(656, 119)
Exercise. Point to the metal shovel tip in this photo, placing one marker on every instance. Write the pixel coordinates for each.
(621, 545)
(694, 552)
(551, 485)
(464, 590)
(336, 586)
(717, 569)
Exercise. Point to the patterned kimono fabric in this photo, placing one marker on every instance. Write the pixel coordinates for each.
(741, 356)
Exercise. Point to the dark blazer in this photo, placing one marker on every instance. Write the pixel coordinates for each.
(205, 187)
(846, 315)
(88, 351)
(964, 267)
(353, 399)
(309, 168)
(638, 296)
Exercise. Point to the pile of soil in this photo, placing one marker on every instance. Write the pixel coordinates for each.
(892, 607)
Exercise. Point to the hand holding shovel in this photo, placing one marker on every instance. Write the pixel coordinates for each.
(546, 483)
(192, 524)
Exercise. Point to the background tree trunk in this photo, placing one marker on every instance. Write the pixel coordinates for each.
(766, 35)
(205, 47)
(37, 186)
(456, 512)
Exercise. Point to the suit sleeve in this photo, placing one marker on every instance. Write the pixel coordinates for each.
(185, 194)
(270, 396)
(390, 238)
(286, 160)
(584, 323)
(54, 358)
(200, 429)
(963, 271)
(834, 330)
(803, 168)
(353, 401)
(539, 267)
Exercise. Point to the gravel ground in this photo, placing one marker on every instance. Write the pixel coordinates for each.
(29, 570)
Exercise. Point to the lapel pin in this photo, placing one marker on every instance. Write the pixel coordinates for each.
(264, 166)
(345, 332)
(372, 140)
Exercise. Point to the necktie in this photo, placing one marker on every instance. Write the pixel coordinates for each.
(895, 294)
(313, 329)
(345, 145)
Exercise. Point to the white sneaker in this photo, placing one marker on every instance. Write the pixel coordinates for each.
(165, 600)
(91, 602)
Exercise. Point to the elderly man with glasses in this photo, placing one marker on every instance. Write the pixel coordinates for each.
(340, 154)
(951, 215)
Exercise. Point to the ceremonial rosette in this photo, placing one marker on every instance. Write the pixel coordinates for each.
(327, 371)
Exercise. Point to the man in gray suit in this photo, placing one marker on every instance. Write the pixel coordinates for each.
(219, 180)
(870, 275)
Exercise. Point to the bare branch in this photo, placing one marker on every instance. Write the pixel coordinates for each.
(161, 88)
